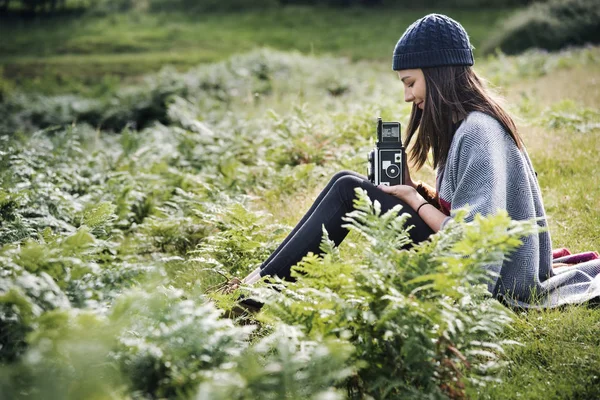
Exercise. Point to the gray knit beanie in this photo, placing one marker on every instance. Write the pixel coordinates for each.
(432, 41)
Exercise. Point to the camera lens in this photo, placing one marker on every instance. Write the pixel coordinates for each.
(392, 171)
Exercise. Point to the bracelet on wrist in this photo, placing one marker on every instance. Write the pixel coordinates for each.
(419, 208)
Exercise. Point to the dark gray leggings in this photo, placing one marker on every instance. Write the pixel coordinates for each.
(334, 201)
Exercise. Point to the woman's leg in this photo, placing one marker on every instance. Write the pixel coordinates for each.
(334, 202)
(255, 275)
(311, 210)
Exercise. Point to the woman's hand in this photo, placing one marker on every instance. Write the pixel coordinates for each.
(429, 214)
(406, 193)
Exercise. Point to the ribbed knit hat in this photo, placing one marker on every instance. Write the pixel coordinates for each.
(432, 41)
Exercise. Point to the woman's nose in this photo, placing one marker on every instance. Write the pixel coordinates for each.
(408, 97)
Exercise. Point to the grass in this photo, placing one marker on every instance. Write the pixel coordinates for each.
(558, 358)
(565, 159)
(63, 54)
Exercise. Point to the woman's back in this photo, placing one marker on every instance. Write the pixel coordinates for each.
(487, 171)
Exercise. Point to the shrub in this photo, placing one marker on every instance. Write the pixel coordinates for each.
(157, 343)
(551, 26)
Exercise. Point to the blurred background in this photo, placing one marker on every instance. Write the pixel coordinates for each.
(90, 46)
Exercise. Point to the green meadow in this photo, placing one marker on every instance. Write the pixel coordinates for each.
(146, 158)
(62, 54)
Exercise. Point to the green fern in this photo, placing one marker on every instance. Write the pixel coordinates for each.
(421, 320)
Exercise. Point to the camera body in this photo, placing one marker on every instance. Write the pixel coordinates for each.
(388, 159)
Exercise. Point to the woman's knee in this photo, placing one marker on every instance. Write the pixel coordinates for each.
(342, 174)
(346, 186)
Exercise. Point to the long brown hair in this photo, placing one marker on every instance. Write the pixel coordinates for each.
(451, 93)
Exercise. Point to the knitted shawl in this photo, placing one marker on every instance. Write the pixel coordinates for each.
(487, 171)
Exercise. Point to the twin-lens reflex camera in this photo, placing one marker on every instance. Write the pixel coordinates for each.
(387, 159)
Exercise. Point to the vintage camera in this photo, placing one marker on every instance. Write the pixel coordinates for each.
(388, 158)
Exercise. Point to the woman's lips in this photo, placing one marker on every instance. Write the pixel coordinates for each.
(420, 105)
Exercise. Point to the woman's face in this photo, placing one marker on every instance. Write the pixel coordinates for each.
(414, 86)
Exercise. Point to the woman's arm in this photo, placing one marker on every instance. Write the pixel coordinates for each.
(427, 211)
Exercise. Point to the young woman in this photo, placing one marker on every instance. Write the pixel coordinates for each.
(480, 160)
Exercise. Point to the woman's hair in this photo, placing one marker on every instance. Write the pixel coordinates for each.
(451, 93)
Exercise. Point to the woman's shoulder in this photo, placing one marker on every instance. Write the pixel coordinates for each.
(480, 122)
(480, 127)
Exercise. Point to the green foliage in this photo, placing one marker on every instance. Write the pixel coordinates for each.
(420, 320)
(567, 115)
(160, 344)
(110, 240)
(142, 105)
(67, 359)
(94, 55)
(6, 86)
(551, 25)
(98, 218)
(22, 300)
(203, 6)
(137, 107)
(59, 272)
(284, 364)
(502, 70)
(242, 243)
(107, 7)
(550, 341)
(34, 5)
(168, 342)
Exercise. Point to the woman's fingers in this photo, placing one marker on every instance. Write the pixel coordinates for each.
(390, 189)
(403, 192)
